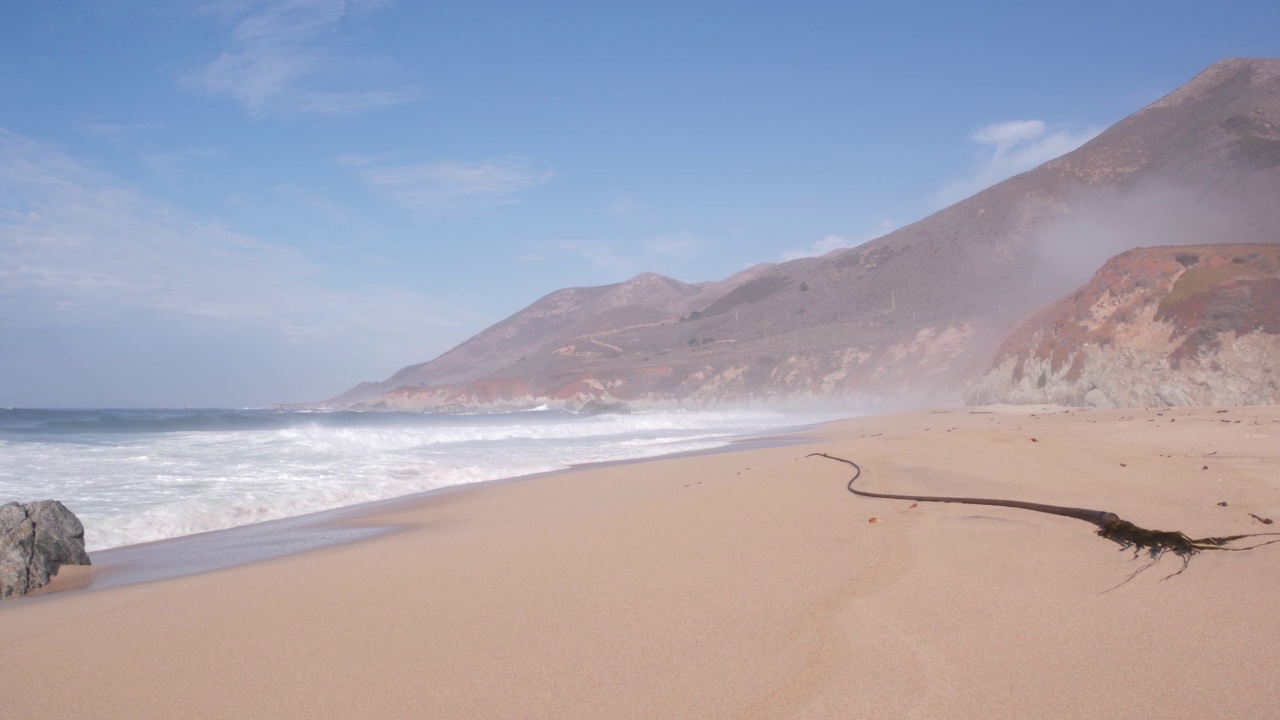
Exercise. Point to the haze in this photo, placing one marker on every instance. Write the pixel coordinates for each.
(243, 203)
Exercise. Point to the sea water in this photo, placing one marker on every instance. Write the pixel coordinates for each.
(134, 476)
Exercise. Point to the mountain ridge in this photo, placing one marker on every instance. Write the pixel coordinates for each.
(916, 315)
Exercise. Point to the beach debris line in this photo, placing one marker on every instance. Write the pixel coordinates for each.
(1155, 543)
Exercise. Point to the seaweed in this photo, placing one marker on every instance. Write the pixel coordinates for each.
(1155, 543)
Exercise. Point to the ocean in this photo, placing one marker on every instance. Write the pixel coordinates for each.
(134, 476)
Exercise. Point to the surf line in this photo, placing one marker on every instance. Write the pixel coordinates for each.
(1110, 525)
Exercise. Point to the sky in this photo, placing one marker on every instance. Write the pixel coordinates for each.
(241, 203)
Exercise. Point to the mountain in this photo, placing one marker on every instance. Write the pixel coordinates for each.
(912, 317)
(546, 336)
(1192, 325)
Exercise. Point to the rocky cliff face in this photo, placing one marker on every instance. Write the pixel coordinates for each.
(1194, 325)
(916, 315)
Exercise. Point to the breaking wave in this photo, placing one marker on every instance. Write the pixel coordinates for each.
(140, 475)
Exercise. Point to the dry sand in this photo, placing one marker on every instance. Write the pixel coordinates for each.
(743, 584)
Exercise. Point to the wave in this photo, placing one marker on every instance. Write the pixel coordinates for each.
(564, 428)
(81, 422)
(136, 476)
(23, 422)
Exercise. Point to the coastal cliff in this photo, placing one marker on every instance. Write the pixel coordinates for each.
(1196, 325)
(914, 317)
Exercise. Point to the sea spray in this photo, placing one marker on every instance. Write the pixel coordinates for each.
(140, 475)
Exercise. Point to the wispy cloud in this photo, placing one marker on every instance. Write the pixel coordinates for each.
(312, 201)
(163, 165)
(448, 186)
(619, 259)
(137, 139)
(285, 57)
(117, 131)
(600, 256)
(1012, 147)
(821, 247)
(624, 205)
(355, 160)
(832, 243)
(78, 244)
(676, 246)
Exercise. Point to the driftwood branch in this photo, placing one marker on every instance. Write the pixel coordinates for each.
(1155, 543)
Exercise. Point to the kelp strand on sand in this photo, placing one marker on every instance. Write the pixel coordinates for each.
(1155, 543)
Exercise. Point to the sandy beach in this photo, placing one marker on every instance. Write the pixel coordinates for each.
(745, 584)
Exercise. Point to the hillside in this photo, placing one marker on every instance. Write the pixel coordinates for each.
(1196, 325)
(911, 317)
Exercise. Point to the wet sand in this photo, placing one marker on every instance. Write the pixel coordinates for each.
(737, 584)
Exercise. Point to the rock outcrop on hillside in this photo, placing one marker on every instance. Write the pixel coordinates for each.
(1191, 325)
(914, 316)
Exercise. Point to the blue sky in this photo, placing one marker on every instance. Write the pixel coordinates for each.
(240, 203)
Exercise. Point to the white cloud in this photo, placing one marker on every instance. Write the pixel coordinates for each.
(117, 131)
(1013, 147)
(621, 259)
(1005, 135)
(136, 138)
(77, 244)
(625, 205)
(832, 243)
(312, 200)
(163, 165)
(601, 256)
(821, 247)
(440, 188)
(355, 160)
(282, 58)
(676, 246)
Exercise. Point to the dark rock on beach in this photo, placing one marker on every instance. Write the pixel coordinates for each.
(35, 540)
(604, 407)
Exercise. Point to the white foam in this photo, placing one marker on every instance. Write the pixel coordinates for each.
(138, 487)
